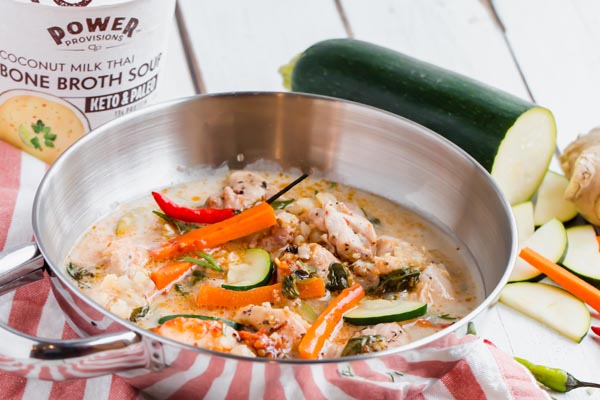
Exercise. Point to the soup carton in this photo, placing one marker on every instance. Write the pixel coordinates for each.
(68, 66)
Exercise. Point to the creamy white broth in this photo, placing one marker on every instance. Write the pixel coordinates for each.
(115, 249)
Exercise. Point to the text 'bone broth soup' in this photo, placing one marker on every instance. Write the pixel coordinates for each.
(75, 65)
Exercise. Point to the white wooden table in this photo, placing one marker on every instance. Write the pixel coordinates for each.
(543, 50)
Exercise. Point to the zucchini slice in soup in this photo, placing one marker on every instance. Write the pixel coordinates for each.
(255, 270)
(376, 311)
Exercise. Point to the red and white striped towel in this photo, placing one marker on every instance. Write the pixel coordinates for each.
(466, 368)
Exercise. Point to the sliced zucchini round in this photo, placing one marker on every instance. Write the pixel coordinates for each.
(255, 270)
(583, 257)
(550, 240)
(550, 305)
(523, 213)
(370, 312)
(525, 154)
(550, 201)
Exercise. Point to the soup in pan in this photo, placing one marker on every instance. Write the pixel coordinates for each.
(325, 270)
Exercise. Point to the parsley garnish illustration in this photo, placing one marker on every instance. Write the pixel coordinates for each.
(36, 143)
(49, 138)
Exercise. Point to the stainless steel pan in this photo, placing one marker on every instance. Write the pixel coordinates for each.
(362, 146)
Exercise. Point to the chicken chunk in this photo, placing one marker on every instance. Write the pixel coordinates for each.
(124, 257)
(287, 324)
(317, 257)
(352, 235)
(434, 285)
(121, 294)
(386, 245)
(364, 273)
(242, 190)
(265, 345)
(302, 205)
(212, 335)
(310, 255)
(395, 335)
(281, 234)
(392, 254)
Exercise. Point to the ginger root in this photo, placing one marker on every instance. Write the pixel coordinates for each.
(581, 164)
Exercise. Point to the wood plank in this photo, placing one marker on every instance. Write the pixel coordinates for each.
(240, 45)
(459, 35)
(560, 58)
(174, 79)
(490, 325)
(463, 36)
(559, 55)
(538, 344)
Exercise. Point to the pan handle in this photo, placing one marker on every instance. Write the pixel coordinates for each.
(54, 359)
(59, 360)
(20, 266)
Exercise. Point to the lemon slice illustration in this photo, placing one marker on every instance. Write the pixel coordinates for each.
(26, 135)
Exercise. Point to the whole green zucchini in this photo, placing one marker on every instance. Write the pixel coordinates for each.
(512, 138)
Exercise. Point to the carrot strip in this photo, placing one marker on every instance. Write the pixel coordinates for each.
(315, 337)
(570, 282)
(168, 273)
(283, 268)
(220, 297)
(251, 220)
(311, 288)
(598, 240)
(425, 323)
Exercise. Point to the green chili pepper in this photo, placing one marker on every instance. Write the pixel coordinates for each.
(555, 378)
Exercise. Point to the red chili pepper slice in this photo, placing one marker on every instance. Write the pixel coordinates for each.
(186, 214)
(596, 330)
